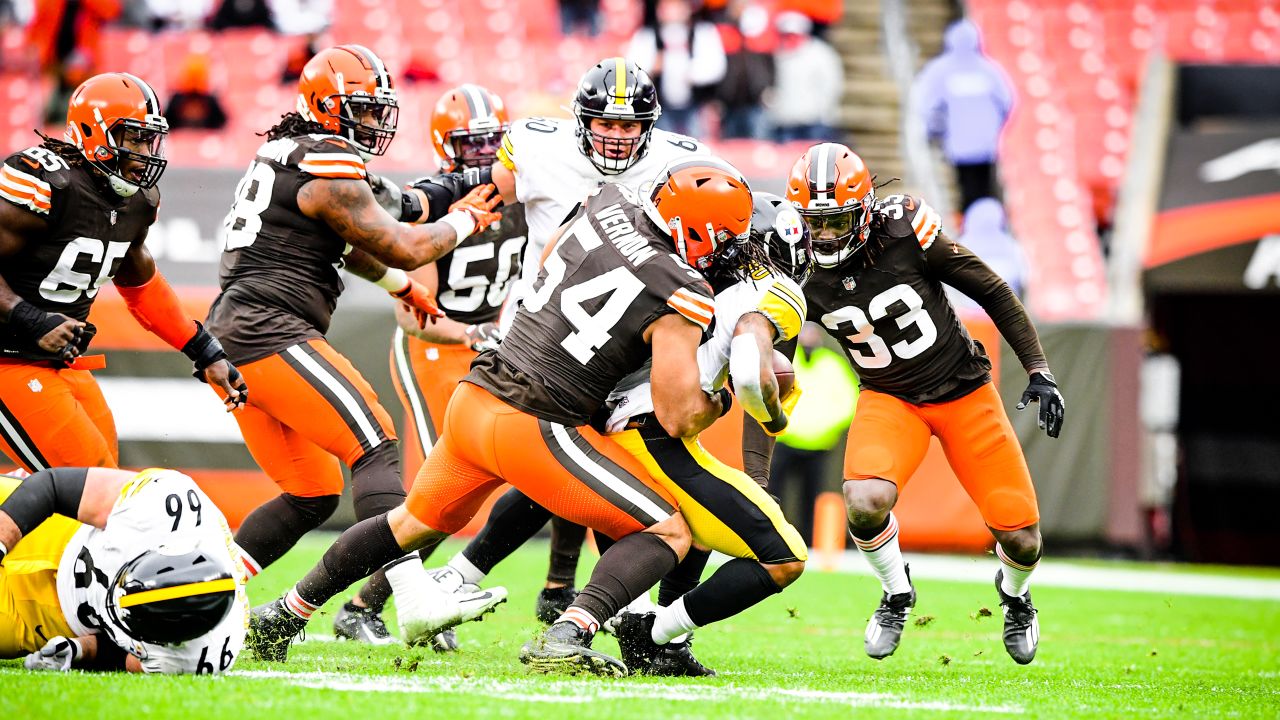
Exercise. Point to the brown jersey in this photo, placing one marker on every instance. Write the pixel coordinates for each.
(476, 276)
(280, 269)
(89, 231)
(582, 330)
(887, 307)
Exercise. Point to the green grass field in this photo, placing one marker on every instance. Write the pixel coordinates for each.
(1102, 654)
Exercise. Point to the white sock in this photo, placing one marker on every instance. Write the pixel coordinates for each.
(294, 603)
(470, 573)
(409, 581)
(1017, 577)
(672, 622)
(581, 618)
(885, 558)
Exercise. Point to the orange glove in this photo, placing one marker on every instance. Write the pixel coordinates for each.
(479, 204)
(420, 301)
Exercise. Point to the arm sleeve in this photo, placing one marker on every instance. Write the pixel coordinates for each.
(757, 445)
(956, 265)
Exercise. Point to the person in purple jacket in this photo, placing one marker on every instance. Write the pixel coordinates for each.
(964, 99)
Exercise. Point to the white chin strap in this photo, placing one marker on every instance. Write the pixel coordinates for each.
(122, 187)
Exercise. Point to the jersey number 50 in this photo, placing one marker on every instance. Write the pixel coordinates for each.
(878, 353)
(590, 332)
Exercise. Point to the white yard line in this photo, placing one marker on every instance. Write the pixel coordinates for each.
(1064, 573)
(544, 690)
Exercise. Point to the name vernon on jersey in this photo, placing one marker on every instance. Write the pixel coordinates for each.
(634, 247)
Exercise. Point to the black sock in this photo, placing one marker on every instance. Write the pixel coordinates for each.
(631, 567)
(566, 546)
(377, 590)
(514, 519)
(603, 542)
(376, 486)
(869, 533)
(736, 586)
(357, 553)
(276, 525)
(684, 577)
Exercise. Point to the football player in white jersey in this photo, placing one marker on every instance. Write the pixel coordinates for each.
(551, 165)
(117, 570)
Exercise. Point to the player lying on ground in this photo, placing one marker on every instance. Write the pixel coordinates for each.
(878, 291)
(106, 569)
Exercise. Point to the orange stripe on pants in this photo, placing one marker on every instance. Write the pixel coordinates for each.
(307, 406)
(54, 417)
(487, 442)
(889, 437)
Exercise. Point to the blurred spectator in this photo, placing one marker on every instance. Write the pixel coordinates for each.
(193, 104)
(684, 58)
(301, 17)
(822, 13)
(580, 14)
(63, 34)
(170, 14)
(298, 57)
(749, 43)
(16, 12)
(241, 13)
(806, 97)
(804, 453)
(987, 235)
(964, 100)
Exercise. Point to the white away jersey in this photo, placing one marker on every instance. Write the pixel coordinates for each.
(775, 296)
(552, 175)
(156, 508)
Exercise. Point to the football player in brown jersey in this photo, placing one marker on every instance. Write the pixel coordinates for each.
(427, 361)
(305, 199)
(878, 291)
(75, 215)
(610, 297)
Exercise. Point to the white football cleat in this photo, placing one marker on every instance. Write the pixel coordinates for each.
(431, 612)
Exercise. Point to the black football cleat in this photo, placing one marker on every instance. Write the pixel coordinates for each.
(634, 632)
(552, 602)
(1021, 627)
(271, 629)
(884, 631)
(565, 649)
(675, 659)
(361, 624)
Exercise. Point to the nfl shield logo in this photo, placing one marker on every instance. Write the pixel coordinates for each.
(113, 217)
(849, 283)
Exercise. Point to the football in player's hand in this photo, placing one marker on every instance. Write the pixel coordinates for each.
(785, 372)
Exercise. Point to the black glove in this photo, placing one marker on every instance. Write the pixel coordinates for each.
(1042, 389)
(80, 343)
(203, 349)
(485, 336)
(726, 400)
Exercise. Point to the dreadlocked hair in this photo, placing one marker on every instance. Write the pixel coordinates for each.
(63, 149)
(292, 125)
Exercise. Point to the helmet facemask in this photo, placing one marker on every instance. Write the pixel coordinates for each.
(619, 153)
(474, 148)
(368, 121)
(837, 233)
(133, 156)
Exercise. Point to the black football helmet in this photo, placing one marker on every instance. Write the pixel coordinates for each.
(615, 89)
(777, 225)
(172, 594)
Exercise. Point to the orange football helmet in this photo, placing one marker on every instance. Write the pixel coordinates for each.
(348, 90)
(115, 120)
(831, 188)
(706, 205)
(467, 127)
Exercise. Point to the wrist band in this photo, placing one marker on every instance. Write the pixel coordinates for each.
(394, 280)
(461, 222)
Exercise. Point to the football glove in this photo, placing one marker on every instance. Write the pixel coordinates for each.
(479, 204)
(484, 336)
(1043, 389)
(420, 301)
(56, 655)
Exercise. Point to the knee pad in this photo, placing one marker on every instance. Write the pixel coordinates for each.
(1009, 510)
(376, 486)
